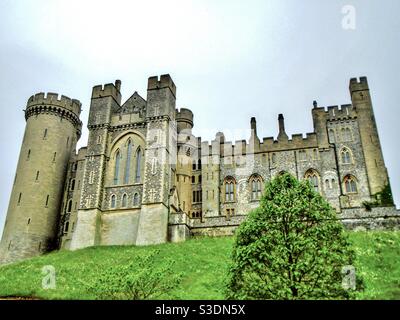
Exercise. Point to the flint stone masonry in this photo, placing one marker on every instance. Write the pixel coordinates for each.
(144, 177)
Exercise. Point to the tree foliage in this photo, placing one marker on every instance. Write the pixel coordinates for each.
(142, 278)
(291, 247)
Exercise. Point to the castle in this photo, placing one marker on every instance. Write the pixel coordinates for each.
(144, 178)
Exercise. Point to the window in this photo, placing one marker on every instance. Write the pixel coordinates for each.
(37, 175)
(138, 165)
(346, 134)
(29, 221)
(113, 201)
(229, 189)
(136, 199)
(194, 165)
(124, 201)
(199, 178)
(69, 206)
(197, 196)
(72, 185)
(345, 156)
(350, 184)
(29, 155)
(199, 165)
(91, 177)
(67, 141)
(128, 162)
(99, 139)
(47, 200)
(116, 169)
(312, 176)
(255, 183)
(54, 156)
(193, 179)
(45, 134)
(66, 227)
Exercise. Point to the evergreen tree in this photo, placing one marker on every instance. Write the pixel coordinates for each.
(291, 247)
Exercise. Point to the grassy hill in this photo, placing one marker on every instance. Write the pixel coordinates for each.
(203, 263)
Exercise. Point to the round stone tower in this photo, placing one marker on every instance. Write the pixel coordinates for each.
(52, 130)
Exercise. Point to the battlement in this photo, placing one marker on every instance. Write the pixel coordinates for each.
(165, 81)
(269, 144)
(108, 90)
(342, 112)
(53, 99)
(184, 115)
(358, 84)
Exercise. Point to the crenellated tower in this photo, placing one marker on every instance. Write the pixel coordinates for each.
(374, 162)
(160, 155)
(52, 130)
(105, 101)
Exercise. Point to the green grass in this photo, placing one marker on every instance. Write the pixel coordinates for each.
(203, 262)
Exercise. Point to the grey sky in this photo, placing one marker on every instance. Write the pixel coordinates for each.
(230, 59)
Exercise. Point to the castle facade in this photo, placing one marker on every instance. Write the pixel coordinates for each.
(144, 178)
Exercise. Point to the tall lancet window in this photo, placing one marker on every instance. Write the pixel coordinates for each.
(117, 164)
(128, 162)
(138, 164)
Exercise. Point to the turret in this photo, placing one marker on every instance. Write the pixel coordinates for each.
(184, 120)
(282, 134)
(51, 133)
(376, 169)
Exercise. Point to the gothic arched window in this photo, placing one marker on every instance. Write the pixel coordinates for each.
(69, 206)
(128, 162)
(136, 199)
(229, 189)
(350, 184)
(346, 134)
(124, 201)
(312, 176)
(117, 165)
(72, 185)
(345, 156)
(255, 183)
(138, 164)
(113, 201)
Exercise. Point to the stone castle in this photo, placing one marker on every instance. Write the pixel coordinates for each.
(144, 178)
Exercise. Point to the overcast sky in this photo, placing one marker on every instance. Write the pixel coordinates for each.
(230, 60)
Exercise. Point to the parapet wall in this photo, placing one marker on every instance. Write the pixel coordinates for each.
(165, 81)
(108, 90)
(53, 99)
(358, 84)
(355, 219)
